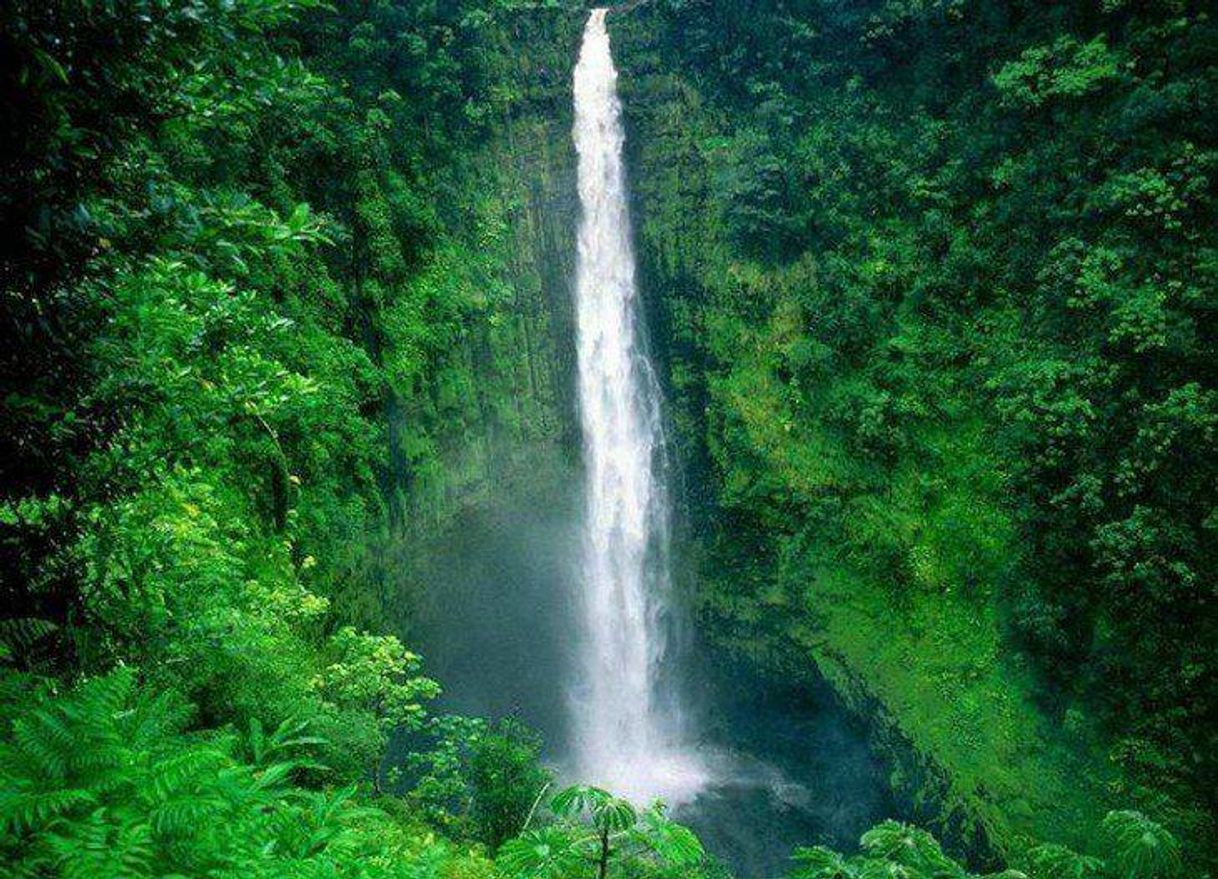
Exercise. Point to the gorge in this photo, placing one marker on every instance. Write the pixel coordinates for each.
(802, 412)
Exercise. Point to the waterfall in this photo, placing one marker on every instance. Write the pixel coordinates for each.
(627, 735)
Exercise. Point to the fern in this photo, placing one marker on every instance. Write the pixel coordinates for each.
(25, 811)
(20, 636)
(99, 848)
(183, 771)
(149, 718)
(40, 748)
(182, 816)
(99, 701)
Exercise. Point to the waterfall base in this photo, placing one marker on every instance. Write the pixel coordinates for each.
(675, 777)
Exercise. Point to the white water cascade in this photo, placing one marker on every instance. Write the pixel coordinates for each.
(627, 736)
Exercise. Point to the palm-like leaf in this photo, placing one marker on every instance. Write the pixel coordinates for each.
(1058, 862)
(548, 853)
(912, 848)
(577, 799)
(821, 863)
(606, 812)
(1142, 848)
(673, 843)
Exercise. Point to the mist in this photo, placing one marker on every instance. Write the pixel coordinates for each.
(497, 623)
(498, 627)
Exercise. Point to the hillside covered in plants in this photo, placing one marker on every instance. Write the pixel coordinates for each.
(936, 289)
(930, 287)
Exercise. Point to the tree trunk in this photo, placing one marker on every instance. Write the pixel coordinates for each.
(602, 867)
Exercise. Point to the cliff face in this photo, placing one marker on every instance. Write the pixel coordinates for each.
(486, 417)
(818, 558)
(915, 456)
(799, 584)
(844, 228)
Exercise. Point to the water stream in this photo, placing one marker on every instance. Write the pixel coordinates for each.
(628, 733)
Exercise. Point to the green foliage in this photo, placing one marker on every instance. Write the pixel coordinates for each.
(255, 304)
(1139, 848)
(477, 778)
(935, 285)
(1064, 70)
(594, 831)
(376, 674)
(938, 310)
(547, 853)
(890, 848)
(106, 781)
(1142, 849)
(1052, 861)
(507, 780)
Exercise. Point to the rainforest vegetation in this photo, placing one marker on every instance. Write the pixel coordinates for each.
(932, 286)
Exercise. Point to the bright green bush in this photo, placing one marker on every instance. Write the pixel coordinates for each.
(107, 780)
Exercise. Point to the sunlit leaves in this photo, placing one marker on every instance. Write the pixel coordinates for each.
(1065, 69)
(378, 674)
(547, 853)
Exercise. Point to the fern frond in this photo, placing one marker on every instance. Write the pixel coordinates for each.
(99, 701)
(152, 718)
(24, 811)
(185, 771)
(97, 761)
(103, 845)
(40, 749)
(13, 763)
(185, 815)
(22, 633)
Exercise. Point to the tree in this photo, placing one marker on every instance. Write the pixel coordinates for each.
(374, 684)
(594, 830)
